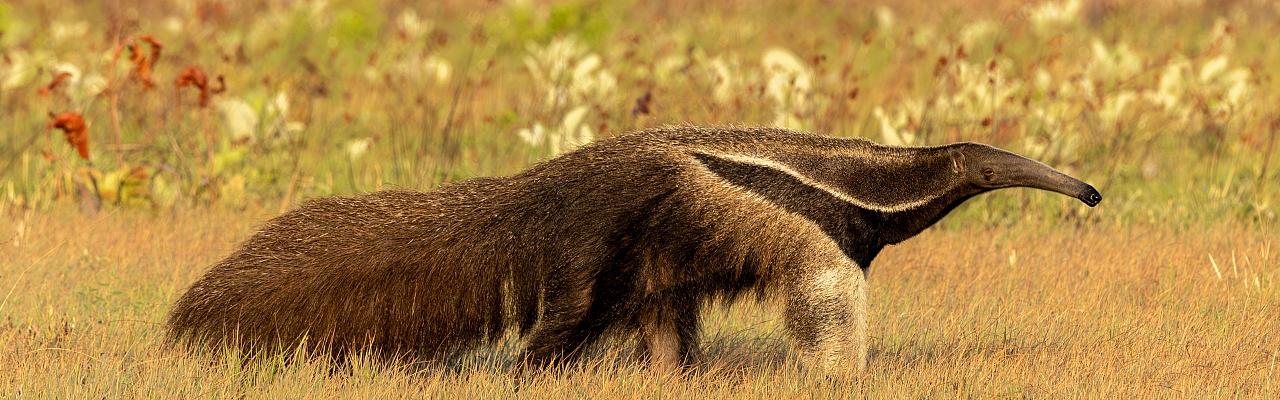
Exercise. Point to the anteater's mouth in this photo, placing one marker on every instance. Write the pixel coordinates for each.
(1090, 196)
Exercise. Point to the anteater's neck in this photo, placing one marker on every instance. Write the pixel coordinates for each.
(906, 224)
(925, 190)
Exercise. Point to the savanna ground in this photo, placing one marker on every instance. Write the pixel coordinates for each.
(140, 142)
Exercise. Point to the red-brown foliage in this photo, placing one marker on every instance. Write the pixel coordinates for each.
(58, 78)
(74, 129)
(143, 63)
(195, 77)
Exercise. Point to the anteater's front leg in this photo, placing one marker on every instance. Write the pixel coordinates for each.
(827, 313)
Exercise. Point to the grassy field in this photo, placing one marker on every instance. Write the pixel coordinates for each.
(140, 141)
(1052, 311)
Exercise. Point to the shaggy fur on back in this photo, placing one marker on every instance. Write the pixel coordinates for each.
(634, 232)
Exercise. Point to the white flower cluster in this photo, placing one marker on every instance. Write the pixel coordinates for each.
(789, 86)
(898, 127)
(1050, 16)
(20, 69)
(244, 123)
(567, 73)
(570, 78)
(1053, 105)
(418, 63)
(569, 134)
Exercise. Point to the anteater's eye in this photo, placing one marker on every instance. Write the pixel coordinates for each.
(988, 172)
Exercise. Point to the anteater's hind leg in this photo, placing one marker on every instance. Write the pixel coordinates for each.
(669, 327)
(577, 313)
(827, 313)
(557, 337)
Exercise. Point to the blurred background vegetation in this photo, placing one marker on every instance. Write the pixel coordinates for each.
(1169, 107)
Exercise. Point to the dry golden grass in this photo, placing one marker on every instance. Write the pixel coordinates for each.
(1040, 309)
(1170, 290)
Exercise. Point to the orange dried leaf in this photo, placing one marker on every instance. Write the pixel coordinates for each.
(155, 45)
(193, 76)
(58, 78)
(142, 63)
(74, 130)
(141, 69)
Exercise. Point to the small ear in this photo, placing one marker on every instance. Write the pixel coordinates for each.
(957, 159)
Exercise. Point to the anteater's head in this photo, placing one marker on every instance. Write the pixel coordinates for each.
(989, 168)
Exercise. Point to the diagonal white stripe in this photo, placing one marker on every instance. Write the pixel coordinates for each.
(846, 197)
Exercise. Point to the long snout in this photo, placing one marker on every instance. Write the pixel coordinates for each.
(1040, 176)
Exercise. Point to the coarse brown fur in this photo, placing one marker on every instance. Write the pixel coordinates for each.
(633, 233)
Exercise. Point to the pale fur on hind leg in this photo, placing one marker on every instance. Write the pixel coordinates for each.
(660, 342)
(827, 315)
(669, 333)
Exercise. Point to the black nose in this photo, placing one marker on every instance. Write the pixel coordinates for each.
(1091, 197)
